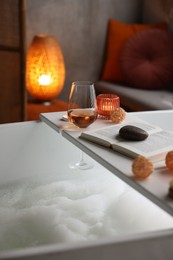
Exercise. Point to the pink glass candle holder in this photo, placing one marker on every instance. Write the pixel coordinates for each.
(106, 103)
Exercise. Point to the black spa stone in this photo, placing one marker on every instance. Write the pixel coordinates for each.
(132, 133)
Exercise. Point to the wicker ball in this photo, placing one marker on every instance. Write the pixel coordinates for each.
(118, 115)
(142, 167)
(169, 160)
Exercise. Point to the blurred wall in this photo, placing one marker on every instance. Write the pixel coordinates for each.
(80, 27)
(158, 10)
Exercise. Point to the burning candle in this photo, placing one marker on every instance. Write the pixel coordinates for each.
(107, 103)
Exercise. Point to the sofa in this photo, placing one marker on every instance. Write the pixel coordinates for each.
(142, 73)
(132, 99)
(138, 65)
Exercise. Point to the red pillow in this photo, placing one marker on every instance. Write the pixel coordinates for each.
(147, 60)
(118, 34)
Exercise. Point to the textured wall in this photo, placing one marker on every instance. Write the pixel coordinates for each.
(80, 27)
(158, 10)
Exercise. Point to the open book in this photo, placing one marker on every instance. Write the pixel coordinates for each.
(155, 147)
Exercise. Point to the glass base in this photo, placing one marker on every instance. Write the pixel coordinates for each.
(104, 117)
(81, 165)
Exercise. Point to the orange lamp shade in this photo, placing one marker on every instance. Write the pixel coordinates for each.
(45, 69)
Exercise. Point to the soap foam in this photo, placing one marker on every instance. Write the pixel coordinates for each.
(78, 208)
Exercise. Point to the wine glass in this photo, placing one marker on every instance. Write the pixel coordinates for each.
(82, 111)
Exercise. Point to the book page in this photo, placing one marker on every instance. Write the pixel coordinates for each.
(155, 143)
(158, 141)
(110, 133)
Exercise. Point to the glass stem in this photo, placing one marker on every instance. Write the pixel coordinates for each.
(81, 157)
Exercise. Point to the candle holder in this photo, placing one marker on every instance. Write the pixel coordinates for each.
(106, 103)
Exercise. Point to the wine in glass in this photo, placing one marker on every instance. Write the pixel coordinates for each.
(82, 111)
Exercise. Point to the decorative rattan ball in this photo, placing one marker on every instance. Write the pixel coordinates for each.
(169, 160)
(142, 167)
(118, 115)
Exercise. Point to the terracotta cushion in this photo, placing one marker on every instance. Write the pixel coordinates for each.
(118, 34)
(147, 60)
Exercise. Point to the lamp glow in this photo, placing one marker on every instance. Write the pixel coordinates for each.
(44, 80)
(45, 69)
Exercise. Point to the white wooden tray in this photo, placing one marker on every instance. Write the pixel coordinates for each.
(155, 187)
